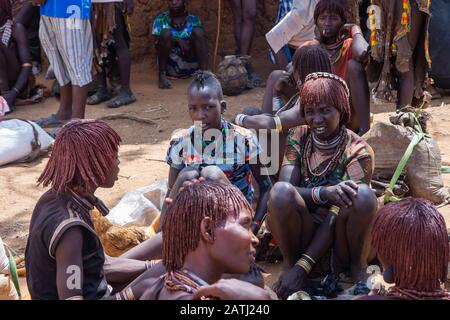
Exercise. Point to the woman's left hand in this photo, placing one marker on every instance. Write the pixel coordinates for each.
(341, 195)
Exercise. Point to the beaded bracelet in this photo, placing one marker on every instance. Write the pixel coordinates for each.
(278, 125)
(240, 119)
(335, 210)
(316, 196)
(305, 265)
(313, 262)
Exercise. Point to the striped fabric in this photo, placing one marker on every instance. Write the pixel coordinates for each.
(6, 31)
(284, 8)
(69, 48)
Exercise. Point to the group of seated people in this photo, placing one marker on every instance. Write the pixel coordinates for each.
(318, 205)
(206, 234)
(320, 210)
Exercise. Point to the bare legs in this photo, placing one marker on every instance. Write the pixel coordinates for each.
(292, 226)
(359, 93)
(195, 46)
(290, 222)
(244, 13)
(123, 53)
(351, 246)
(406, 79)
(200, 47)
(9, 69)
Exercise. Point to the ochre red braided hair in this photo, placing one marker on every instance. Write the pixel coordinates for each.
(82, 155)
(181, 227)
(327, 88)
(410, 235)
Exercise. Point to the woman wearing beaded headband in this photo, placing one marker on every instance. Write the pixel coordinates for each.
(307, 59)
(323, 199)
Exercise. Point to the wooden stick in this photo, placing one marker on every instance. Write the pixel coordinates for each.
(116, 116)
(219, 23)
(442, 204)
(158, 160)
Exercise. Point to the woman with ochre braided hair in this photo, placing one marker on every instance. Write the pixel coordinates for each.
(411, 241)
(64, 257)
(323, 191)
(206, 234)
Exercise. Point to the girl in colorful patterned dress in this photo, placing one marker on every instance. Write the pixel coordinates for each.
(214, 148)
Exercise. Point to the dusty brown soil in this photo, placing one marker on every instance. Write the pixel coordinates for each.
(144, 146)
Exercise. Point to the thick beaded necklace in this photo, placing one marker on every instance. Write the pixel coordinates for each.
(339, 146)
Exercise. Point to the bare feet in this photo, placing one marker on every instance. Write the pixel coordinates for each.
(290, 282)
(164, 83)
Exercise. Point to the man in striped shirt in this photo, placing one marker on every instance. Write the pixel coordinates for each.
(66, 37)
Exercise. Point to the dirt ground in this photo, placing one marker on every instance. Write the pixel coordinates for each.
(144, 146)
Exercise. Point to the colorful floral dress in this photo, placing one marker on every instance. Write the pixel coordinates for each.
(232, 152)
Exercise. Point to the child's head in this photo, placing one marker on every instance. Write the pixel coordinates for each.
(213, 220)
(309, 59)
(410, 237)
(84, 157)
(329, 17)
(176, 6)
(205, 100)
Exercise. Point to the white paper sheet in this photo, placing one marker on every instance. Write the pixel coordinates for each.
(299, 18)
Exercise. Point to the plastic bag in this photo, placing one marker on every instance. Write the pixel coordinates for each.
(423, 176)
(139, 207)
(4, 107)
(16, 137)
(4, 261)
(7, 290)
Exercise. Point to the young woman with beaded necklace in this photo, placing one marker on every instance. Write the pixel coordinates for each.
(323, 199)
